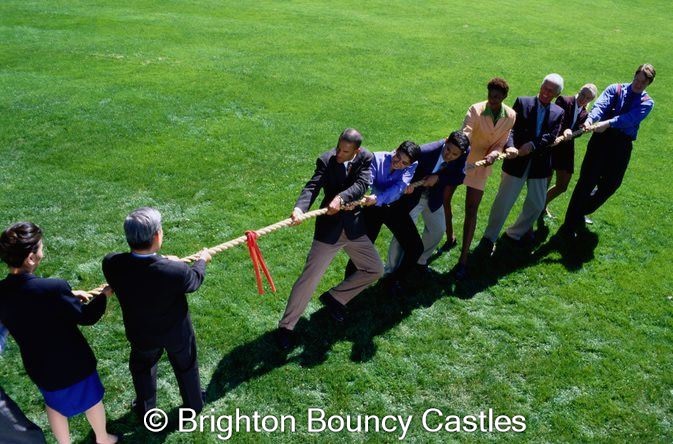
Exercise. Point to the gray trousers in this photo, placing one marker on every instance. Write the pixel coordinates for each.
(433, 231)
(362, 253)
(510, 188)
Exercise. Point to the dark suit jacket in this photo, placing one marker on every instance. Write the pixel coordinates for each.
(524, 131)
(151, 292)
(42, 315)
(452, 174)
(567, 104)
(330, 176)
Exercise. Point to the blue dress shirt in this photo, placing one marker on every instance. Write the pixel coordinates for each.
(624, 112)
(386, 184)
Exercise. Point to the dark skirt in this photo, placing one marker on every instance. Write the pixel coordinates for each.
(77, 398)
(563, 158)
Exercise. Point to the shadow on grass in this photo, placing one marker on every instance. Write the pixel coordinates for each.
(510, 256)
(574, 252)
(370, 314)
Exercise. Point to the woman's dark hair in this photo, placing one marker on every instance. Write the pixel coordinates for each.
(18, 241)
(410, 149)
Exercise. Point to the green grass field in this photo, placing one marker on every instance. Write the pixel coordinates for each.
(214, 112)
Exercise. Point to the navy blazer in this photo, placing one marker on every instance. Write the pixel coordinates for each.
(42, 315)
(452, 174)
(151, 292)
(524, 131)
(330, 176)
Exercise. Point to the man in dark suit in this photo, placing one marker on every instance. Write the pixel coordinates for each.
(563, 155)
(538, 123)
(441, 164)
(151, 291)
(343, 173)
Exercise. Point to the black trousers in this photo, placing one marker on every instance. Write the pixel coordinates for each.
(181, 351)
(603, 167)
(396, 218)
(15, 428)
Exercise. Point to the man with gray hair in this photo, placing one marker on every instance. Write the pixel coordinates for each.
(151, 292)
(538, 123)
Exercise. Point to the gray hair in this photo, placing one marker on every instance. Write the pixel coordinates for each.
(556, 79)
(590, 88)
(140, 227)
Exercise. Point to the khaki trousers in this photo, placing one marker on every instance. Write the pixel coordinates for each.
(367, 262)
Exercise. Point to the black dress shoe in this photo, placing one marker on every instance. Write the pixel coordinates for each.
(284, 338)
(485, 248)
(334, 307)
(511, 240)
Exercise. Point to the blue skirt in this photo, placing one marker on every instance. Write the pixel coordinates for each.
(77, 398)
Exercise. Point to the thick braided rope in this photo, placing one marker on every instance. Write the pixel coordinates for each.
(242, 239)
(574, 135)
(557, 141)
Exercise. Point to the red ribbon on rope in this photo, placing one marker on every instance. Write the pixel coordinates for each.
(258, 262)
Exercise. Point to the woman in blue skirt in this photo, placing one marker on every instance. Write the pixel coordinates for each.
(42, 315)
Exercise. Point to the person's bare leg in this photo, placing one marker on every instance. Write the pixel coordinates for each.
(96, 417)
(560, 187)
(59, 426)
(472, 200)
(448, 215)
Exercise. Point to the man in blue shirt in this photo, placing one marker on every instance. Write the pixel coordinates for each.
(391, 175)
(617, 115)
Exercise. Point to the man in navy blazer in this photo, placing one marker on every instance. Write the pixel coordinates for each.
(563, 155)
(538, 123)
(343, 173)
(151, 290)
(441, 163)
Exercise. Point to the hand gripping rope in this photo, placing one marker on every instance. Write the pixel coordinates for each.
(557, 141)
(250, 237)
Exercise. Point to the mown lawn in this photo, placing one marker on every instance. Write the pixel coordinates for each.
(214, 112)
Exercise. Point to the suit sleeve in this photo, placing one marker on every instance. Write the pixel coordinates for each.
(359, 187)
(71, 308)
(312, 188)
(581, 119)
(567, 112)
(194, 276)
